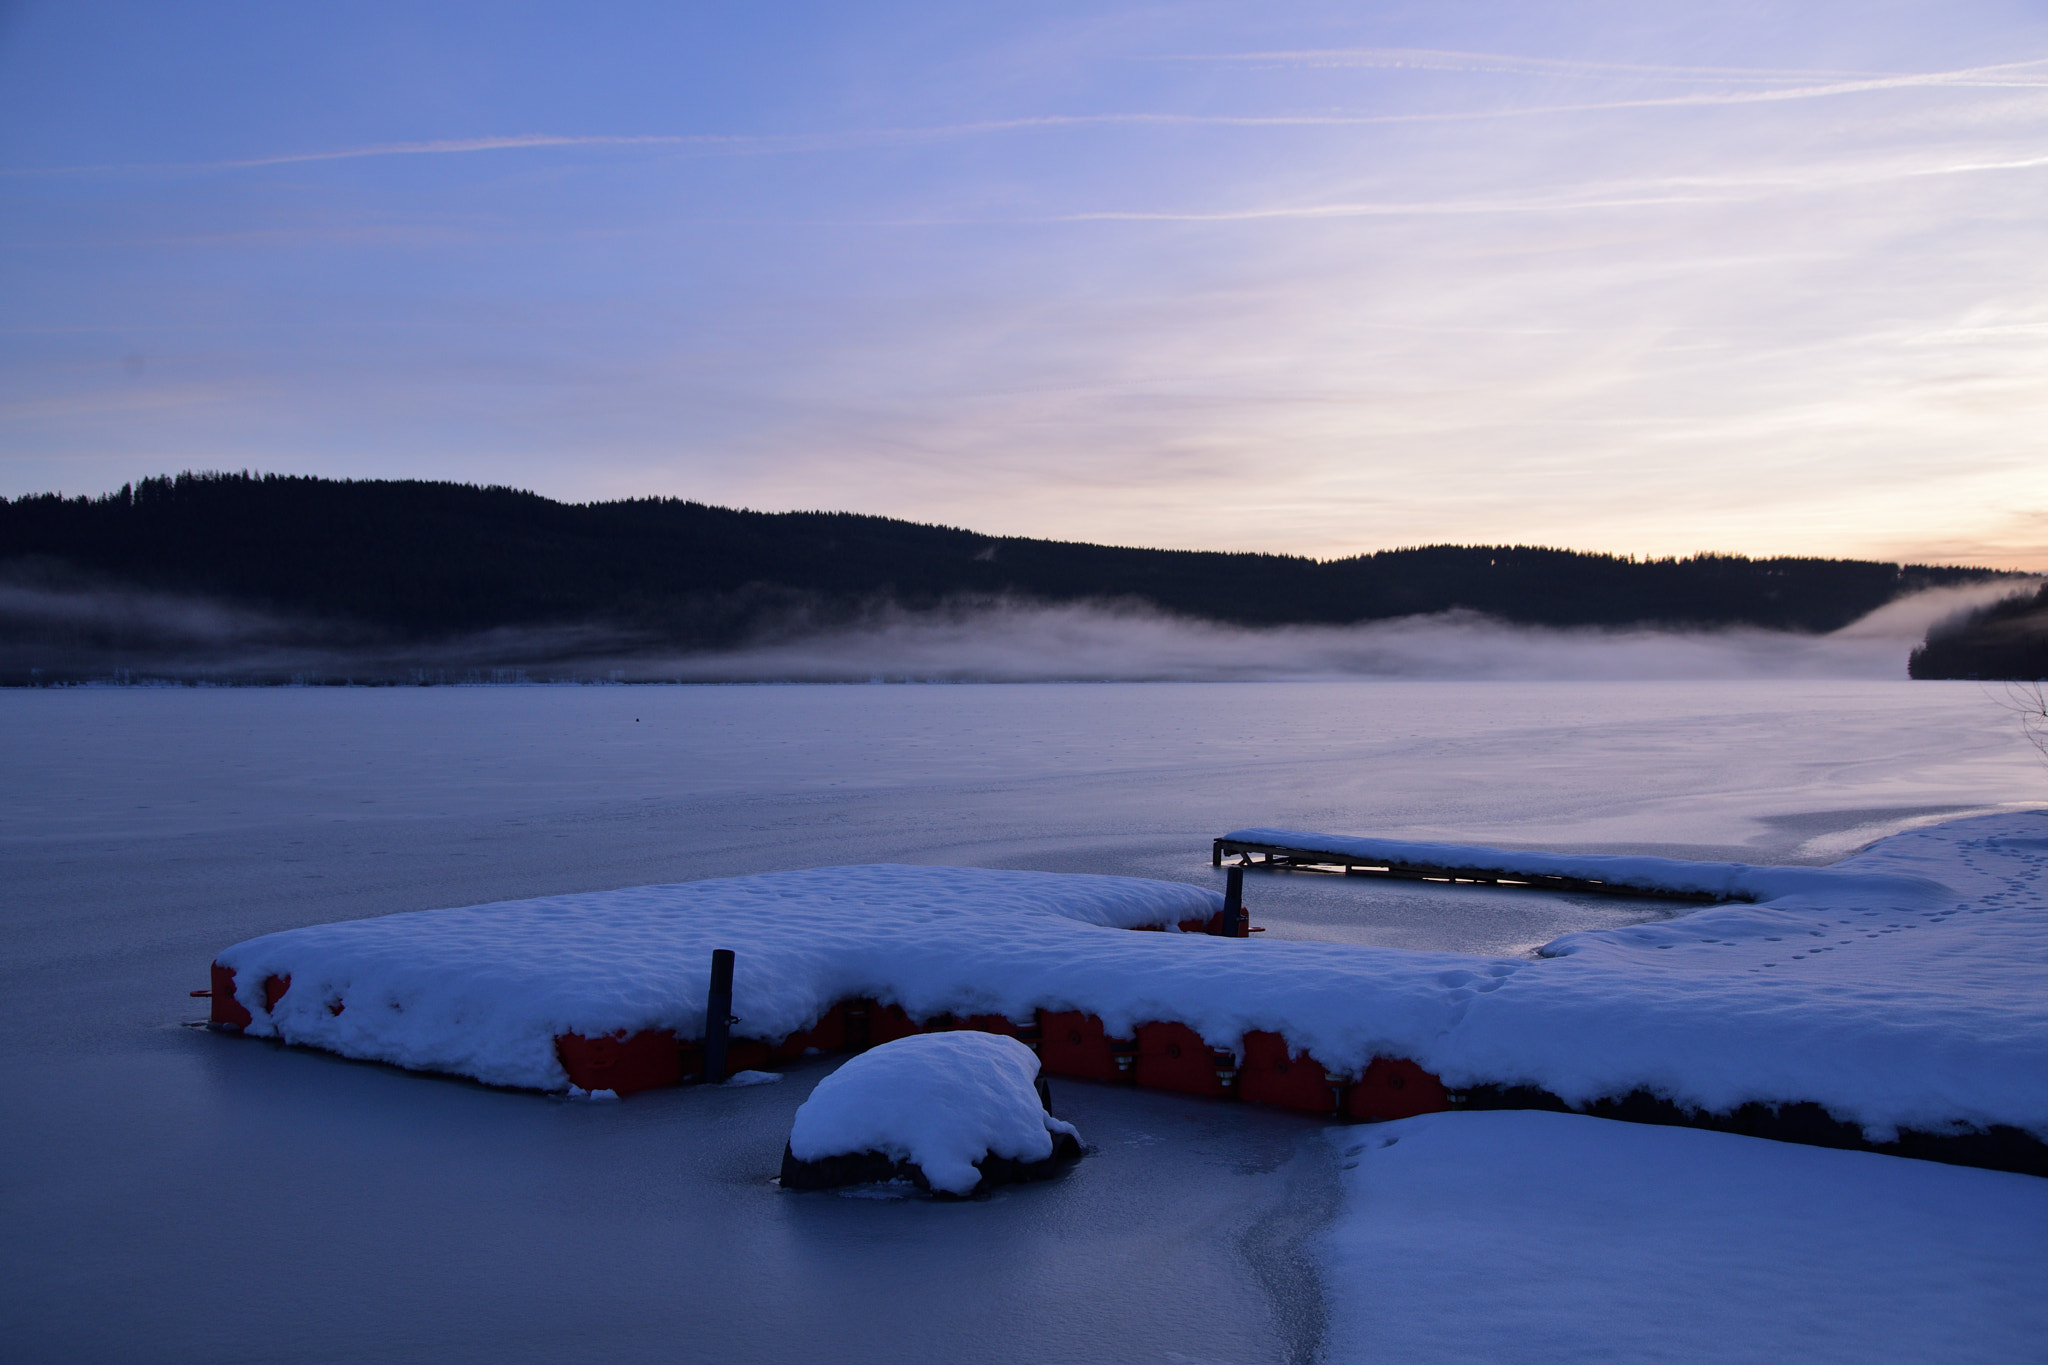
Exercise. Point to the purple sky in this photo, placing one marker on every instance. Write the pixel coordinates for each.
(1641, 277)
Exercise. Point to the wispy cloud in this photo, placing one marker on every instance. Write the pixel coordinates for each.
(2028, 75)
(1495, 63)
(758, 144)
(1664, 191)
(1500, 63)
(429, 147)
(457, 146)
(1034, 277)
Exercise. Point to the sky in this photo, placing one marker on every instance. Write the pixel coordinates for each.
(1321, 279)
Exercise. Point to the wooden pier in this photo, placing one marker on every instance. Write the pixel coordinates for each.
(1280, 857)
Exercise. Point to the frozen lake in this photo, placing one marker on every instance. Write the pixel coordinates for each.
(195, 1197)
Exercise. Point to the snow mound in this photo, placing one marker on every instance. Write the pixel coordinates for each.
(942, 1101)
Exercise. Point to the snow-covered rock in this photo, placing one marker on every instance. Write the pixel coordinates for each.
(942, 1102)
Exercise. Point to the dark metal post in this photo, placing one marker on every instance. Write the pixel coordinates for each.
(718, 1016)
(1233, 902)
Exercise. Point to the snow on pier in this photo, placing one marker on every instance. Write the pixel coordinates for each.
(1606, 874)
(1904, 989)
(485, 991)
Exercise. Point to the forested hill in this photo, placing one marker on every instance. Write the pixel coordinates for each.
(2007, 639)
(418, 561)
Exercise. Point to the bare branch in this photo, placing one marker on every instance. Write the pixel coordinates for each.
(2029, 701)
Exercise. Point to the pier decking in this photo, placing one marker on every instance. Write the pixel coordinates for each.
(1366, 863)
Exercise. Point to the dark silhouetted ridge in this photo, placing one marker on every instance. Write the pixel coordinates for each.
(398, 562)
(2006, 640)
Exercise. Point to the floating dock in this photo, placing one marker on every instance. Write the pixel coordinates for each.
(1162, 1055)
(1830, 1009)
(1158, 1054)
(1368, 862)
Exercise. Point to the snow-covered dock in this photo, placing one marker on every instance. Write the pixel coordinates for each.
(1410, 860)
(1898, 999)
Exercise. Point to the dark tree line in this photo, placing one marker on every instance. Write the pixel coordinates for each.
(417, 561)
(2006, 640)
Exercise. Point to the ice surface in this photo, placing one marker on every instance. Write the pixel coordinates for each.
(940, 1100)
(497, 794)
(1385, 912)
(1535, 1237)
(189, 1194)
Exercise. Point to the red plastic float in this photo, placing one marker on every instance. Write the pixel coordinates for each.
(225, 1009)
(1271, 1075)
(1174, 1057)
(887, 1023)
(977, 1023)
(827, 1035)
(1395, 1088)
(622, 1063)
(1071, 1043)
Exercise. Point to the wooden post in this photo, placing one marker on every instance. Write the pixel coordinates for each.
(1234, 917)
(718, 1016)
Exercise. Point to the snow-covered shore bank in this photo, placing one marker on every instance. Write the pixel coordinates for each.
(1534, 1237)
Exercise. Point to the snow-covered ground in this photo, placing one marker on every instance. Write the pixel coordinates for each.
(1533, 1237)
(187, 1197)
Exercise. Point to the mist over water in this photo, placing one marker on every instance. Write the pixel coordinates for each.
(75, 632)
(1032, 643)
